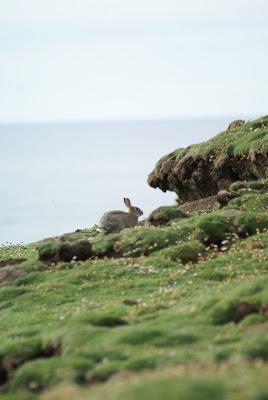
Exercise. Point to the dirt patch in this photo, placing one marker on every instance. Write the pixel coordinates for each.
(54, 251)
(79, 251)
(264, 309)
(129, 302)
(11, 261)
(242, 310)
(9, 274)
(207, 204)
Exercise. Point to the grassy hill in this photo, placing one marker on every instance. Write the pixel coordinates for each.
(166, 312)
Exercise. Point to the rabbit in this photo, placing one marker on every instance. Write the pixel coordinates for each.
(116, 221)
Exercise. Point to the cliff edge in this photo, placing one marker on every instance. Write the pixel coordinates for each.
(201, 170)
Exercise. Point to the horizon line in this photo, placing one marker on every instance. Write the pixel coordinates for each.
(125, 120)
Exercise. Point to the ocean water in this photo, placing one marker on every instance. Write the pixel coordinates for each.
(56, 178)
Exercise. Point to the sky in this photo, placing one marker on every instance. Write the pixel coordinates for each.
(66, 60)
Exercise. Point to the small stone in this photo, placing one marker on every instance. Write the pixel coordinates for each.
(235, 124)
(223, 197)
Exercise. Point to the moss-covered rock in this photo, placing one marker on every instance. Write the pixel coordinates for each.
(235, 124)
(203, 169)
(163, 215)
(235, 186)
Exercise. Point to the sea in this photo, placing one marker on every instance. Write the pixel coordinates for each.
(58, 177)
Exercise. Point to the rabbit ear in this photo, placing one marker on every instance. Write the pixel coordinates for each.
(127, 202)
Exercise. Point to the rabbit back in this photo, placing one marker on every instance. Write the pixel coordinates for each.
(116, 221)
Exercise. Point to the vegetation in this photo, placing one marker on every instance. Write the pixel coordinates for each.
(173, 311)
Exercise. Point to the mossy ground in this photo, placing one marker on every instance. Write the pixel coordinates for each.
(247, 138)
(179, 311)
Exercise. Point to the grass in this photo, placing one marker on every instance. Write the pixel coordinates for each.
(240, 141)
(170, 312)
(141, 308)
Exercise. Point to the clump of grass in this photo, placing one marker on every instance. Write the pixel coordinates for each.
(145, 361)
(261, 185)
(254, 319)
(102, 372)
(172, 388)
(145, 241)
(107, 319)
(249, 201)
(178, 338)
(139, 336)
(223, 354)
(163, 215)
(240, 303)
(184, 252)
(249, 223)
(11, 293)
(213, 229)
(104, 245)
(257, 348)
(37, 375)
(48, 251)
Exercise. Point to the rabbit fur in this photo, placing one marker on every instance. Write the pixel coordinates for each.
(116, 221)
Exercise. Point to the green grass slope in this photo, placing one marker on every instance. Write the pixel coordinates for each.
(177, 311)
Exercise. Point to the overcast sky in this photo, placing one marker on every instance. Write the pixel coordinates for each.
(119, 59)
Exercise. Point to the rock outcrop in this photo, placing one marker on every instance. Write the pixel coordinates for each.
(201, 170)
